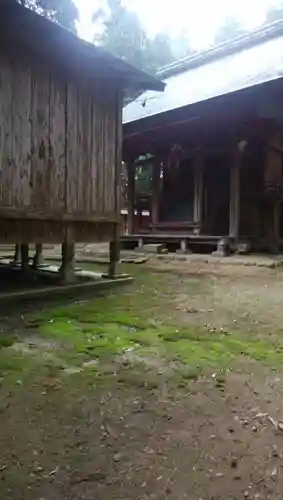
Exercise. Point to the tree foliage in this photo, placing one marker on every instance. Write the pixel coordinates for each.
(122, 33)
(63, 12)
(180, 46)
(124, 36)
(232, 28)
(159, 52)
(274, 13)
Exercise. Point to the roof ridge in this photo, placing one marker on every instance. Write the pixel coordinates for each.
(250, 39)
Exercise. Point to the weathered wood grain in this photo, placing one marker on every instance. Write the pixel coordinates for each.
(84, 151)
(72, 150)
(18, 213)
(118, 150)
(21, 110)
(56, 146)
(109, 155)
(99, 154)
(89, 151)
(58, 154)
(41, 180)
(6, 131)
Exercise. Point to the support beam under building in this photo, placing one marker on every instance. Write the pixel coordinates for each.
(25, 257)
(38, 256)
(17, 255)
(67, 269)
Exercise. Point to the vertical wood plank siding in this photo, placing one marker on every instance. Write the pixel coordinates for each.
(40, 173)
(6, 132)
(72, 170)
(20, 169)
(57, 144)
(109, 154)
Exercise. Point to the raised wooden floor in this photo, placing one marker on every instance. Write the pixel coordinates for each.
(130, 241)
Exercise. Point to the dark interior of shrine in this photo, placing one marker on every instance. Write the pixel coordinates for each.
(243, 127)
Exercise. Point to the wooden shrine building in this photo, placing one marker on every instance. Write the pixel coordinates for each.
(60, 134)
(214, 139)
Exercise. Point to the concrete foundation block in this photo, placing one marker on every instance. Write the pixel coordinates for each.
(154, 248)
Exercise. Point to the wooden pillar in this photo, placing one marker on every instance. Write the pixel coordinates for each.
(274, 231)
(255, 222)
(234, 218)
(17, 254)
(25, 257)
(67, 269)
(114, 245)
(140, 220)
(198, 190)
(38, 256)
(276, 218)
(273, 183)
(131, 198)
(155, 193)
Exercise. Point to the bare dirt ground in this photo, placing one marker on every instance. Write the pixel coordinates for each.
(249, 295)
(131, 431)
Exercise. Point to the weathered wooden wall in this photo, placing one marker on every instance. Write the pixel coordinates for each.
(58, 153)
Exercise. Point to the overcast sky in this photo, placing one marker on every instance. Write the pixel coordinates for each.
(200, 18)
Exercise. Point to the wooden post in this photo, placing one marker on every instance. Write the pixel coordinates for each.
(25, 257)
(131, 198)
(114, 253)
(276, 215)
(234, 219)
(274, 241)
(198, 190)
(67, 269)
(17, 255)
(183, 246)
(38, 256)
(114, 245)
(255, 225)
(155, 193)
(273, 183)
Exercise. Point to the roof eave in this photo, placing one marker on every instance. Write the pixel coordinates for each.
(24, 20)
(142, 84)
